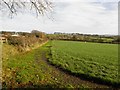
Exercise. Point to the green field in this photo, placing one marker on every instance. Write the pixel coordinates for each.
(94, 60)
(31, 70)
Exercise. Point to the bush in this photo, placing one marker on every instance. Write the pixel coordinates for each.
(24, 42)
(15, 40)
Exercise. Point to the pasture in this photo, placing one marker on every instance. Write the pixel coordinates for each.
(93, 60)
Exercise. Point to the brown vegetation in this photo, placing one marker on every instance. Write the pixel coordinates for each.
(25, 41)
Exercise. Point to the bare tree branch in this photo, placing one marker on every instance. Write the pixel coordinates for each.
(8, 5)
(40, 6)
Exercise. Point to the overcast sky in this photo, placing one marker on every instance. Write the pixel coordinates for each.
(78, 16)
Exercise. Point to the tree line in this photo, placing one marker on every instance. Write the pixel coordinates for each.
(113, 39)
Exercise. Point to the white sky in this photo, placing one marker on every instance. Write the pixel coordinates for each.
(82, 16)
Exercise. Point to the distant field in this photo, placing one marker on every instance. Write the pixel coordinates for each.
(94, 60)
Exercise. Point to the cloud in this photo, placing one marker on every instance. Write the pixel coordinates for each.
(88, 18)
(70, 16)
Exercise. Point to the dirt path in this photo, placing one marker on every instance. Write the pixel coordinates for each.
(57, 76)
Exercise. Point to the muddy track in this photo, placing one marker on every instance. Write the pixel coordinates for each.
(60, 76)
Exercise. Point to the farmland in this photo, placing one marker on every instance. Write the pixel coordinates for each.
(93, 60)
(37, 68)
(31, 70)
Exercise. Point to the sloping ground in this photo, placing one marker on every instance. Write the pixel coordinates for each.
(32, 70)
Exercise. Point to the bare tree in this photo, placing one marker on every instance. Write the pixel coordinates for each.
(13, 6)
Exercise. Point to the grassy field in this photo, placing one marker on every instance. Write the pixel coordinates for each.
(93, 60)
(31, 70)
(19, 68)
